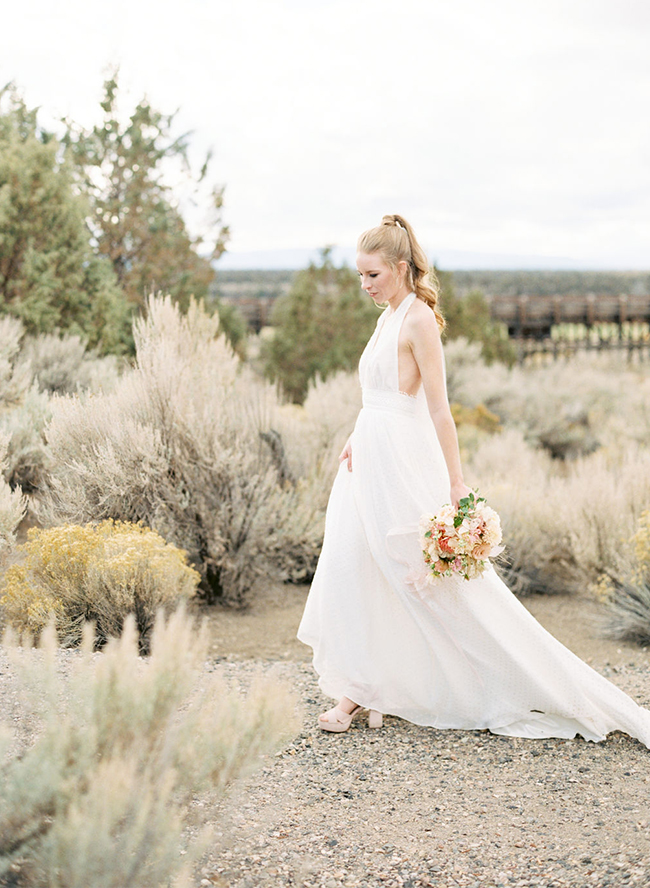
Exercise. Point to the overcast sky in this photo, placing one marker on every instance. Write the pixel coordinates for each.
(509, 128)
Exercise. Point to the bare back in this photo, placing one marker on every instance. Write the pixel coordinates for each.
(419, 352)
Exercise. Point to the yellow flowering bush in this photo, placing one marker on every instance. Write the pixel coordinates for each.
(95, 572)
(479, 417)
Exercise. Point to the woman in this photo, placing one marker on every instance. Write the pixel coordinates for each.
(469, 655)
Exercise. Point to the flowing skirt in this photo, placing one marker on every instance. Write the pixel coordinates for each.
(467, 656)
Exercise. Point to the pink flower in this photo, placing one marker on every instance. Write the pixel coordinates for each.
(463, 550)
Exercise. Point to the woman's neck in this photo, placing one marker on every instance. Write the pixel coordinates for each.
(395, 301)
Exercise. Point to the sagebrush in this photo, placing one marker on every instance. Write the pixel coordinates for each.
(12, 506)
(186, 444)
(626, 588)
(32, 368)
(124, 750)
(563, 524)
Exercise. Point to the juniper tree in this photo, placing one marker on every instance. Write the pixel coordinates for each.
(49, 276)
(320, 326)
(134, 215)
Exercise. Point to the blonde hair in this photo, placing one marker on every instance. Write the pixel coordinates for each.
(395, 241)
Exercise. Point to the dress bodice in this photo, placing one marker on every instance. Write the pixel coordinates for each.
(378, 367)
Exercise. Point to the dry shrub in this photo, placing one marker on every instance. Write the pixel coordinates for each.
(182, 445)
(62, 364)
(14, 380)
(331, 408)
(569, 408)
(627, 590)
(465, 369)
(313, 435)
(27, 460)
(102, 573)
(124, 750)
(298, 536)
(31, 368)
(518, 482)
(563, 524)
(12, 506)
(606, 493)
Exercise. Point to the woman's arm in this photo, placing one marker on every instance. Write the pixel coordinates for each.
(423, 338)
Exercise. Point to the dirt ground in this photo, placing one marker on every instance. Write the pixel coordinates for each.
(413, 807)
(267, 630)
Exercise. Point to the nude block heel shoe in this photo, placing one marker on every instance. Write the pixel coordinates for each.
(337, 721)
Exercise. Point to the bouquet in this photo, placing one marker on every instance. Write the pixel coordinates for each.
(460, 542)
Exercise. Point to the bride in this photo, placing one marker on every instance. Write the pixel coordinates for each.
(468, 655)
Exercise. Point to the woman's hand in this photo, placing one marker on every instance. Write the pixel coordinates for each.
(346, 454)
(459, 490)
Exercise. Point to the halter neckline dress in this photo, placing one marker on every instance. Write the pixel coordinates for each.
(466, 654)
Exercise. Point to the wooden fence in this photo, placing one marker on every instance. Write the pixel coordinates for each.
(542, 325)
(563, 325)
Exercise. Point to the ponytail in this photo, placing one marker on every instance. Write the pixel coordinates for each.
(395, 240)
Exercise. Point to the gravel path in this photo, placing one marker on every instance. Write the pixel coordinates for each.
(413, 806)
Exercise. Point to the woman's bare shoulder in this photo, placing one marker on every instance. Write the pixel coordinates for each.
(420, 321)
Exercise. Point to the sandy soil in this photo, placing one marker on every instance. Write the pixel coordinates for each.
(267, 630)
(411, 806)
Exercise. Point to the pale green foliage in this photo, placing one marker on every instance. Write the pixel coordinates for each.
(625, 588)
(15, 378)
(49, 276)
(32, 367)
(562, 525)
(319, 327)
(102, 573)
(178, 445)
(134, 215)
(568, 408)
(233, 325)
(27, 459)
(62, 364)
(12, 506)
(124, 746)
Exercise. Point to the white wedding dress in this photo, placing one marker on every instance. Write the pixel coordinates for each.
(464, 655)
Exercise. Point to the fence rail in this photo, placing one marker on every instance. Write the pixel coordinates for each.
(534, 317)
(554, 326)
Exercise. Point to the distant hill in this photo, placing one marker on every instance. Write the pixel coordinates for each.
(553, 282)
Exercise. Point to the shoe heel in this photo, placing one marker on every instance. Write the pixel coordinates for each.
(375, 719)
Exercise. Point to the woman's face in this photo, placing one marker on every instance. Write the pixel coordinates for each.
(378, 279)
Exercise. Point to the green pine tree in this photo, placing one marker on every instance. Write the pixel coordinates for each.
(134, 217)
(469, 316)
(320, 326)
(49, 274)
